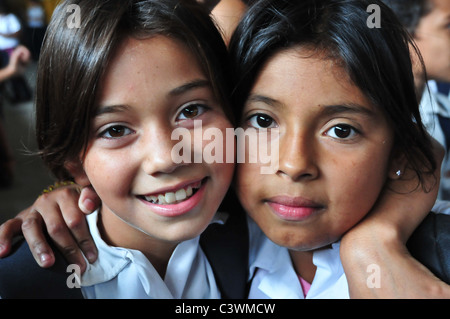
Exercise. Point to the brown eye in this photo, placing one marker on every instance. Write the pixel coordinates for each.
(264, 121)
(116, 131)
(261, 121)
(341, 131)
(190, 111)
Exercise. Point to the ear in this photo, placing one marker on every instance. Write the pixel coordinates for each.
(75, 168)
(397, 166)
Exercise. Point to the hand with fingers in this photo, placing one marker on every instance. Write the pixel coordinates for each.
(380, 240)
(62, 213)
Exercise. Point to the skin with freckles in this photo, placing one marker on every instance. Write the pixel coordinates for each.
(151, 87)
(335, 153)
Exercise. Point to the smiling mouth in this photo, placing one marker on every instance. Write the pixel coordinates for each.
(173, 197)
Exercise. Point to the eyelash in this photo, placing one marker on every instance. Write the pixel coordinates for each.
(198, 106)
(253, 120)
(106, 133)
(343, 127)
(352, 132)
(109, 130)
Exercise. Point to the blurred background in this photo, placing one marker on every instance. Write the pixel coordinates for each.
(28, 175)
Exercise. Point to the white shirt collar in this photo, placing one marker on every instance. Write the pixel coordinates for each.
(434, 103)
(127, 273)
(273, 275)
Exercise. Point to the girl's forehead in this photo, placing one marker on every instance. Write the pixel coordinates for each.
(133, 45)
(157, 53)
(151, 54)
(142, 67)
(301, 67)
(302, 77)
(291, 61)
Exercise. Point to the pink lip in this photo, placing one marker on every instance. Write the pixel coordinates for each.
(293, 208)
(178, 209)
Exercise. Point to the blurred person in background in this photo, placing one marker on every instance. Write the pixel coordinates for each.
(428, 21)
(16, 89)
(35, 28)
(19, 59)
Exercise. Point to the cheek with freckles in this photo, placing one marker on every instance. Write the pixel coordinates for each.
(111, 175)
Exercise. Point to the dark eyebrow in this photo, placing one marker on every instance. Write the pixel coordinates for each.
(327, 110)
(176, 91)
(111, 109)
(264, 99)
(190, 86)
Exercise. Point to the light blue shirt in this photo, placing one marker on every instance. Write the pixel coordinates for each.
(274, 276)
(433, 105)
(121, 273)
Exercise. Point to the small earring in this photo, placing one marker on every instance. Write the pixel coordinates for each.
(398, 173)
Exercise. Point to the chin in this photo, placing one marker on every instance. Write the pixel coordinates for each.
(295, 241)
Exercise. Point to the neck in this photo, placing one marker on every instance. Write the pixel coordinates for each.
(418, 73)
(116, 232)
(303, 264)
(419, 83)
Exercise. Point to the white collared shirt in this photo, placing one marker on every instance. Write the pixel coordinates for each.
(432, 106)
(274, 276)
(121, 273)
(9, 24)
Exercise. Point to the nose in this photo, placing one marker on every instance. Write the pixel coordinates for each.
(297, 157)
(157, 146)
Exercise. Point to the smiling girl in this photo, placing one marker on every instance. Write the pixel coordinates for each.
(109, 95)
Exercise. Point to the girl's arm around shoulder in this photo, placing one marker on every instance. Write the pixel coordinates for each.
(374, 254)
(58, 215)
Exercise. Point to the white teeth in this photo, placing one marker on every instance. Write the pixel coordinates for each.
(180, 194)
(172, 197)
(161, 199)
